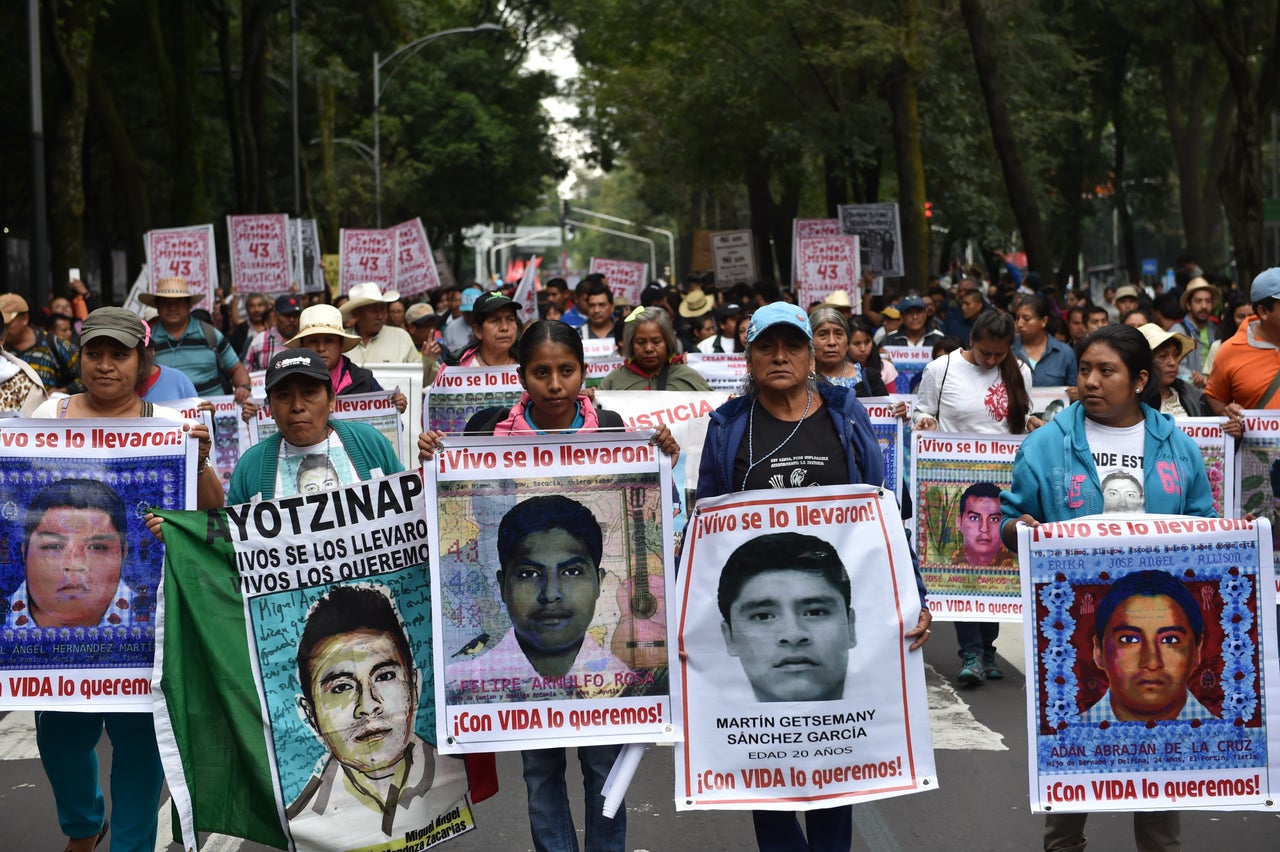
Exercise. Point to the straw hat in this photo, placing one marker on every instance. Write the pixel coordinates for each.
(695, 304)
(11, 305)
(838, 299)
(322, 319)
(367, 293)
(170, 288)
(1199, 284)
(1157, 337)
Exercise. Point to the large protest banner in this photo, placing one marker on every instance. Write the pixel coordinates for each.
(888, 429)
(227, 444)
(827, 265)
(784, 725)
(1218, 449)
(375, 409)
(801, 228)
(296, 647)
(549, 553)
(79, 571)
(910, 362)
(459, 393)
(367, 254)
(1150, 663)
(598, 368)
(625, 277)
(956, 479)
(186, 252)
(724, 371)
(415, 264)
(308, 270)
(879, 234)
(734, 257)
(261, 261)
(1258, 478)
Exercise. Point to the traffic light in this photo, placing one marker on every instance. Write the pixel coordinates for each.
(928, 210)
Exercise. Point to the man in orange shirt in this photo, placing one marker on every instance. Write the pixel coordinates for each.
(1246, 373)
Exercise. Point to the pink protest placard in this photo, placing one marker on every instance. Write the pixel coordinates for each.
(624, 277)
(260, 258)
(415, 268)
(368, 254)
(188, 252)
(825, 265)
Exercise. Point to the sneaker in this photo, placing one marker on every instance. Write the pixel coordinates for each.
(970, 671)
(989, 667)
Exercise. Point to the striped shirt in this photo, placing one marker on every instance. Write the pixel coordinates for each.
(191, 354)
(54, 360)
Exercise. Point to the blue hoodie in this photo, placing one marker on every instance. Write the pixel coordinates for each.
(1055, 479)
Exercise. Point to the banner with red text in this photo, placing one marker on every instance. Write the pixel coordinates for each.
(415, 270)
(888, 428)
(374, 409)
(909, 361)
(1150, 663)
(724, 371)
(261, 259)
(366, 254)
(801, 228)
(956, 479)
(79, 571)
(550, 556)
(186, 252)
(826, 265)
(773, 722)
(624, 277)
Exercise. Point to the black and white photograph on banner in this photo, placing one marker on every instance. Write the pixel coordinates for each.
(798, 687)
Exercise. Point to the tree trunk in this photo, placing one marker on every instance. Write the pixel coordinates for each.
(175, 52)
(1022, 198)
(1129, 249)
(783, 214)
(905, 127)
(761, 205)
(125, 165)
(71, 28)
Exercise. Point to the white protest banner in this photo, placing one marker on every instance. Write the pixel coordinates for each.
(724, 371)
(305, 234)
(879, 234)
(599, 348)
(186, 252)
(141, 284)
(801, 228)
(227, 445)
(459, 393)
(598, 368)
(625, 277)
(733, 254)
(1217, 448)
(415, 269)
(1047, 401)
(374, 409)
(81, 636)
(826, 265)
(910, 362)
(367, 254)
(1257, 483)
(1149, 661)
(888, 431)
(589, 513)
(775, 725)
(308, 670)
(526, 294)
(260, 254)
(956, 479)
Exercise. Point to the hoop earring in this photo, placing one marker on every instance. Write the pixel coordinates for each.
(813, 376)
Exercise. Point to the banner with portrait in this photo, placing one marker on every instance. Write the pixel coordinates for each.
(78, 568)
(1258, 478)
(1047, 401)
(295, 645)
(798, 690)
(1218, 449)
(550, 556)
(460, 393)
(888, 431)
(910, 362)
(375, 409)
(1150, 663)
(956, 479)
(879, 233)
(227, 431)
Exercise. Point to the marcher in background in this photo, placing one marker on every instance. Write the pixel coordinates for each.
(726, 336)
(1178, 397)
(831, 348)
(913, 331)
(264, 347)
(379, 342)
(191, 345)
(256, 310)
(495, 331)
(1235, 310)
(1200, 325)
(1051, 361)
(54, 360)
(421, 323)
(649, 347)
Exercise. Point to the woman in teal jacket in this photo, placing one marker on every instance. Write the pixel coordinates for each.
(1108, 452)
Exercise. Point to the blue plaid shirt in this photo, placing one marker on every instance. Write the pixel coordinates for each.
(1101, 712)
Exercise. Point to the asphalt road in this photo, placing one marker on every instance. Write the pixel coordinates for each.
(981, 754)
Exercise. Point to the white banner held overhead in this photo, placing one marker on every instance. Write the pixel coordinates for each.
(260, 255)
(186, 252)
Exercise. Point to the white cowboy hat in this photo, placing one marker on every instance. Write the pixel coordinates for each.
(170, 288)
(367, 293)
(322, 319)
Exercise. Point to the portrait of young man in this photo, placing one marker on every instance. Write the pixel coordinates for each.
(1147, 641)
(785, 601)
(979, 524)
(360, 692)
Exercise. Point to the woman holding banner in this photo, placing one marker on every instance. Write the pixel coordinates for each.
(649, 347)
(114, 362)
(495, 328)
(1058, 475)
(552, 370)
(788, 430)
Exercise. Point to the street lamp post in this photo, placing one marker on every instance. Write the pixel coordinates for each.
(378, 85)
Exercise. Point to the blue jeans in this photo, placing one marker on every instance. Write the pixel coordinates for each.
(67, 742)
(830, 830)
(550, 819)
(977, 637)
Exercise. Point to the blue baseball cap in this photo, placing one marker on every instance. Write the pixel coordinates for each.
(469, 297)
(1266, 285)
(909, 303)
(778, 313)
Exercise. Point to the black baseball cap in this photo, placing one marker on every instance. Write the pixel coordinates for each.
(491, 303)
(288, 304)
(296, 362)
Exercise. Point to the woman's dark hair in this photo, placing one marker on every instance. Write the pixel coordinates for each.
(1227, 326)
(1134, 352)
(998, 326)
(859, 323)
(1038, 304)
(548, 331)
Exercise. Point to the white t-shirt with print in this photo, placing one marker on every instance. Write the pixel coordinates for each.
(1117, 454)
(309, 470)
(963, 397)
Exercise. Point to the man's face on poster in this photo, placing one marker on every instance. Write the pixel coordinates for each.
(364, 700)
(980, 527)
(550, 587)
(1148, 652)
(73, 566)
(792, 633)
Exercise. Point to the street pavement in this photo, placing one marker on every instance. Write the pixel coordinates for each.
(980, 740)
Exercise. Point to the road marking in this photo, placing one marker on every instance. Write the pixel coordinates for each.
(18, 736)
(952, 721)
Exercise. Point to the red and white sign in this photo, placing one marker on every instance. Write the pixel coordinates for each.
(415, 267)
(624, 277)
(260, 258)
(825, 265)
(801, 228)
(188, 252)
(368, 254)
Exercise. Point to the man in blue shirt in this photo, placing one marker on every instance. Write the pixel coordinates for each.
(192, 346)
